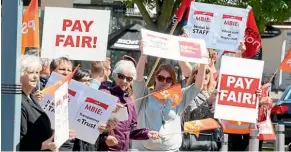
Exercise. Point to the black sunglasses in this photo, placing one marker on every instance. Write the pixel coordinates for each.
(161, 78)
(207, 71)
(122, 77)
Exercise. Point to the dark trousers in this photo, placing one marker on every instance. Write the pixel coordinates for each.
(237, 142)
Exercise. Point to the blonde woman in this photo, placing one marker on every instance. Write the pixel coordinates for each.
(200, 108)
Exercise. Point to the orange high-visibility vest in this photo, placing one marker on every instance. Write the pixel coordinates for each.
(233, 127)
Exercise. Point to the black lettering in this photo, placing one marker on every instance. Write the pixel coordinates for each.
(91, 125)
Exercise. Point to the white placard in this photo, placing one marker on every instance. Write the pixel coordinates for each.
(61, 115)
(75, 91)
(121, 114)
(221, 27)
(79, 34)
(174, 47)
(239, 80)
(96, 108)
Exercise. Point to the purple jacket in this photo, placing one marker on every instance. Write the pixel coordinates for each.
(125, 130)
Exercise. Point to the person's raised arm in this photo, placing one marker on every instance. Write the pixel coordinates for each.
(200, 76)
(185, 68)
(141, 64)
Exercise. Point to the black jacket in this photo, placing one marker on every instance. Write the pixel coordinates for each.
(35, 125)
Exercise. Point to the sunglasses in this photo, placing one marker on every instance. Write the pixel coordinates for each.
(207, 71)
(122, 77)
(162, 79)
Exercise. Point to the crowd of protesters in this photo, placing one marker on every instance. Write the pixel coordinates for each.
(150, 121)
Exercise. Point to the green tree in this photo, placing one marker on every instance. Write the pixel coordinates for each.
(276, 11)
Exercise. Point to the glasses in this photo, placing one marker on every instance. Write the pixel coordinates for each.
(85, 80)
(207, 71)
(122, 77)
(162, 79)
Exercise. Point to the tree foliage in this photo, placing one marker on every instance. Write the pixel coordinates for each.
(275, 11)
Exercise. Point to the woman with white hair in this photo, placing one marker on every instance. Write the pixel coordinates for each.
(35, 132)
(118, 139)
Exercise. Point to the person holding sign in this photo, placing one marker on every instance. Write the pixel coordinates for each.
(159, 115)
(35, 132)
(62, 65)
(201, 108)
(124, 73)
(82, 75)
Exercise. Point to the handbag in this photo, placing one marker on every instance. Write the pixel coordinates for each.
(207, 141)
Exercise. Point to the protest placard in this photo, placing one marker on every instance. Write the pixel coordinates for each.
(221, 27)
(96, 108)
(237, 88)
(75, 91)
(266, 130)
(61, 115)
(174, 47)
(75, 33)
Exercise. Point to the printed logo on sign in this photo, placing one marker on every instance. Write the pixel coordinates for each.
(203, 16)
(238, 91)
(95, 109)
(232, 20)
(202, 24)
(190, 49)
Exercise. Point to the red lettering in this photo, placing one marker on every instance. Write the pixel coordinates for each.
(87, 25)
(231, 23)
(69, 41)
(59, 38)
(203, 19)
(95, 42)
(66, 23)
(77, 26)
(93, 109)
(86, 42)
(76, 41)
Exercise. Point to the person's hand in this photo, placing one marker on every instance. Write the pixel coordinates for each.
(111, 141)
(185, 33)
(102, 128)
(38, 96)
(259, 93)
(242, 47)
(112, 123)
(72, 134)
(154, 135)
(117, 107)
(265, 101)
(49, 144)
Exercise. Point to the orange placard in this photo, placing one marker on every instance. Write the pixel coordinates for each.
(200, 125)
(30, 26)
(174, 92)
(51, 89)
(286, 63)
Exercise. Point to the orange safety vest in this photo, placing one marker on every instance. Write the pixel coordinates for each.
(232, 127)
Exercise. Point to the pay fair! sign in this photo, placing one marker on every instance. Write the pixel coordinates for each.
(75, 33)
(238, 81)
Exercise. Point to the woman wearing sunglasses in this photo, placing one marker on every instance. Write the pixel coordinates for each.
(124, 73)
(157, 114)
(201, 108)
